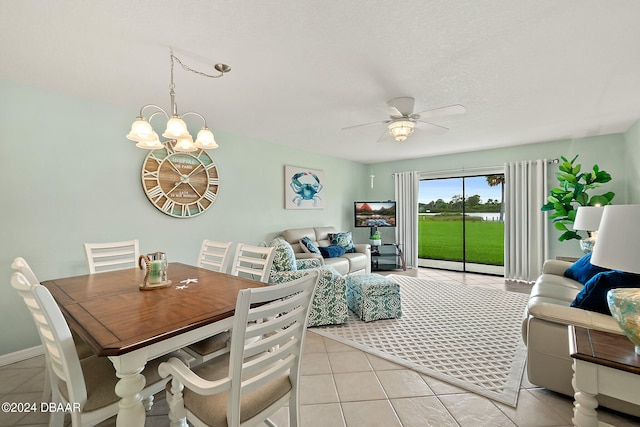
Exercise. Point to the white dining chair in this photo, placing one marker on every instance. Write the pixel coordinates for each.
(88, 385)
(112, 255)
(83, 350)
(249, 261)
(248, 385)
(215, 255)
(253, 262)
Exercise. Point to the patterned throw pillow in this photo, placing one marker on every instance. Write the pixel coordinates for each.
(342, 239)
(307, 245)
(284, 258)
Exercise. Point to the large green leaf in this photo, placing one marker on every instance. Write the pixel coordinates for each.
(569, 235)
(572, 190)
(560, 226)
(602, 177)
(602, 200)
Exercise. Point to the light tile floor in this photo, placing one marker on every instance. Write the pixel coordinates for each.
(343, 386)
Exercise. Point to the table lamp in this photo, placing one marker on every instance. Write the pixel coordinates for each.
(588, 219)
(618, 248)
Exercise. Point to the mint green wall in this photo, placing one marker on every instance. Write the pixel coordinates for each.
(70, 176)
(606, 151)
(632, 158)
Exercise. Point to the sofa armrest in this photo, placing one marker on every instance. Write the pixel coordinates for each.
(555, 266)
(551, 311)
(363, 248)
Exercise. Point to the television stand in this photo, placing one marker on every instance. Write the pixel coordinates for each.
(387, 256)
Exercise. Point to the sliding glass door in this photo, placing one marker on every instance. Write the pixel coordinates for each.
(461, 223)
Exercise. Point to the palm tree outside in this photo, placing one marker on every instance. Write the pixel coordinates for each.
(494, 181)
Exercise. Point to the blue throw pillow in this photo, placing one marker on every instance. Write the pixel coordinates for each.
(308, 246)
(332, 251)
(593, 296)
(582, 270)
(343, 239)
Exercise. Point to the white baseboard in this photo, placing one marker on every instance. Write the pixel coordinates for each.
(19, 356)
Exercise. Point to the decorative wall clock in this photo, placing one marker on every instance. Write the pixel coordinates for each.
(180, 184)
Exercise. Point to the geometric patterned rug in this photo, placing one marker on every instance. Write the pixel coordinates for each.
(467, 336)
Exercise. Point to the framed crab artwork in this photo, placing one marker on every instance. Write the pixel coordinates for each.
(303, 188)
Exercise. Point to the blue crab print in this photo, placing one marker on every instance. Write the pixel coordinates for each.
(306, 185)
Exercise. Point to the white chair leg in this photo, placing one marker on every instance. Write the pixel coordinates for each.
(148, 403)
(46, 393)
(56, 419)
(177, 413)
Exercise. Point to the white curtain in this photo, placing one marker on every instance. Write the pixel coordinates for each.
(525, 228)
(407, 187)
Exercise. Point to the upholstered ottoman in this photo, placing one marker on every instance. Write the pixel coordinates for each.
(373, 297)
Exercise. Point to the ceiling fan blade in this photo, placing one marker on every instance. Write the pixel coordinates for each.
(394, 113)
(364, 124)
(403, 104)
(431, 128)
(385, 137)
(439, 112)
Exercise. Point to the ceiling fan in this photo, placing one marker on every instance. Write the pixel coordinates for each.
(403, 121)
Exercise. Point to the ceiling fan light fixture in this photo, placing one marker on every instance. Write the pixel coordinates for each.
(401, 129)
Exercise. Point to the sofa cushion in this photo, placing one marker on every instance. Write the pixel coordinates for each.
(309, 246)
(343, 239)
(593, 296)
(582, 270)
(284, 258)
(357, 261)
(340, 264)
(332, 251)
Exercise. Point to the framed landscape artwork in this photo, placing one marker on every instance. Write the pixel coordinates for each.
(303, 188)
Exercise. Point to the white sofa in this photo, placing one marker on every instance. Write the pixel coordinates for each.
(545, 332)
(349, 263)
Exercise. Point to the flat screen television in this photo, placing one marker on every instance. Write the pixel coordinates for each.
(374, 214)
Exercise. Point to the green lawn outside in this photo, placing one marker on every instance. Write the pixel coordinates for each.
(442, 240)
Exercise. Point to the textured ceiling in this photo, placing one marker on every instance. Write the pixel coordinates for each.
(527, 71)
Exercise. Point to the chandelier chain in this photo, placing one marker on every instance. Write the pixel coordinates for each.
(187, 68)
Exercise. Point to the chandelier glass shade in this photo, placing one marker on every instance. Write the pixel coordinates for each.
(401, 129)
(176, 129)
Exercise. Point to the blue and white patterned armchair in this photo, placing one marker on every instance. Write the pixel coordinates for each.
(329, 305)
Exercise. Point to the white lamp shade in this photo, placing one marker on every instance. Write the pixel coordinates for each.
(588, 218)
(152, 143)
(205, 139)
(141, 130)
(618, 245)
(176, 128)
(185, 144)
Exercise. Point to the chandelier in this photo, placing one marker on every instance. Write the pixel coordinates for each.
(401, 129)
(176, 129)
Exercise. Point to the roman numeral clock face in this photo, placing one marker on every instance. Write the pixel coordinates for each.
(181, 185)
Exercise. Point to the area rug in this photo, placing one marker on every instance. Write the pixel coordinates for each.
(467, 336)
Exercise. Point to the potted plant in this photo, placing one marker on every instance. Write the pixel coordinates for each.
(572, 193)
(375, 239)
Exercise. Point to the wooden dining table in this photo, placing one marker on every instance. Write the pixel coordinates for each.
(132, 326)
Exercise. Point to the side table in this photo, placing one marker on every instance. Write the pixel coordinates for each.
(387, 256)
(603, 363)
